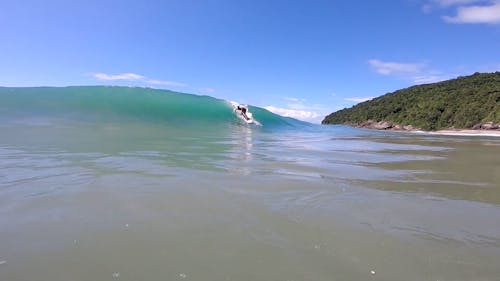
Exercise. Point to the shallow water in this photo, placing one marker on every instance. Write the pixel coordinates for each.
(137, 200)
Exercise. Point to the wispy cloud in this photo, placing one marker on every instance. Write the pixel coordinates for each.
(447, 3)
(359, 99)
(295, 99)
(133, 77)
(426, 79)
(114, 77)
(432, 5)
(476, 14)
(207, 90)
(164, 83)
(418, 73)
(388, 68)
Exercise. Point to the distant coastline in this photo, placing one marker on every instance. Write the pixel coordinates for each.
(465, 105)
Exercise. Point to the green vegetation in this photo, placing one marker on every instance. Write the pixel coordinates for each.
(458, 103)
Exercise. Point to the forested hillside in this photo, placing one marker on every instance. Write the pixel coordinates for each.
(463, 102)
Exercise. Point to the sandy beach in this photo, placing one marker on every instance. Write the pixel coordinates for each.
(485, 133)
(447, 132)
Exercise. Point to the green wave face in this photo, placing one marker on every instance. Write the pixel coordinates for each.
(152, 105)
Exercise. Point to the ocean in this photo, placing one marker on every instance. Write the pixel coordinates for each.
(119, 183)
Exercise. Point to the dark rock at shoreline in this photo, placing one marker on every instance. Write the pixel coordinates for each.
(486, 126)
(383, 125)
(371, 124)
(386, 125)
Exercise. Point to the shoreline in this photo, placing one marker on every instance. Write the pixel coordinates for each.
(463, 132)
(446, 132)
(484, 130)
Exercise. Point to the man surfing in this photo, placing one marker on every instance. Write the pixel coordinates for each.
(243, 111)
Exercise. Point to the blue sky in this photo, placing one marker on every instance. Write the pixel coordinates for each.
(299, 58)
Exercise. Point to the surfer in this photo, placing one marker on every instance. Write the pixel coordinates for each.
(243, 111)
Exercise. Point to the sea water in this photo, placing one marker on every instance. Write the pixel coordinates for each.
(110, 183)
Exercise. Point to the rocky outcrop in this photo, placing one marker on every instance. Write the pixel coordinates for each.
(384, 125)
(387, 125)
(486, 126)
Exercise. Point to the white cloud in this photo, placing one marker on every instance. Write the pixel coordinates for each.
(388, 68)
(309, 116)
(135, 78)
(359, 99)
(467, 11)
(123, 76)
(298, 108)
(476, 14)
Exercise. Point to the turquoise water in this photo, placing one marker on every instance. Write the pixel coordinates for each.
(114, 183)
(122, 104)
